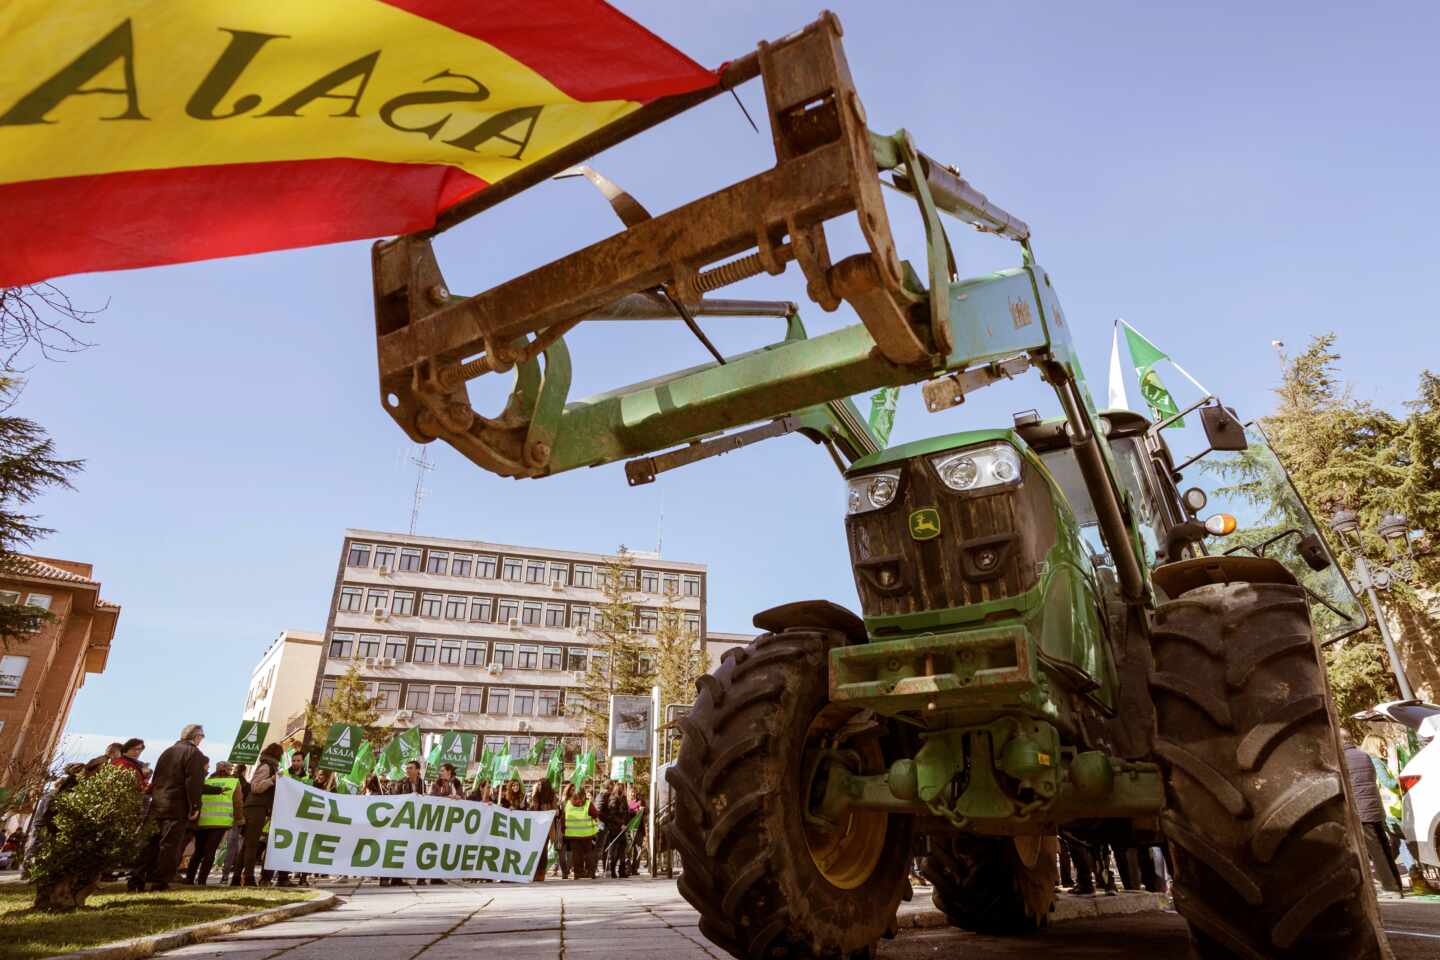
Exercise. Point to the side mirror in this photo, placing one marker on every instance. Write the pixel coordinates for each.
(1223, 431)
(1312, 551)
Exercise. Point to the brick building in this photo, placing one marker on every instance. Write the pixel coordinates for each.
(483, 637)
(39, 675)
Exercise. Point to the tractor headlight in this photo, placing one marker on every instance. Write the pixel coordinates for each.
(872, 491)
(996, 465)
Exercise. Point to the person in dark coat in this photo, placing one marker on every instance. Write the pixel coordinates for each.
(413, 783)
(1366, 795)
(258, 804)
(175, 791)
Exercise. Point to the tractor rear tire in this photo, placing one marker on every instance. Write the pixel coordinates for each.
(1268, 859)
(981, 884)
(764, 881)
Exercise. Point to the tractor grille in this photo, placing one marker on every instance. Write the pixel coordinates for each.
(1016, 525)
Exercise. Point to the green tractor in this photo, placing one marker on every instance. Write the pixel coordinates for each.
(1052, 637)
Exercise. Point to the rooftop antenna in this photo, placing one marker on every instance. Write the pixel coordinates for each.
(423, 466)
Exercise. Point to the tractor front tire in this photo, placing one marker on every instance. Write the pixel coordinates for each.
(982, 884)
(765, 878)
(1268, 859)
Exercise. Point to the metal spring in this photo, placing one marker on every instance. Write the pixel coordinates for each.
(728, 273)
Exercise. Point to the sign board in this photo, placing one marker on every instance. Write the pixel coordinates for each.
(402, 835)
(631, 726)
(340, 746)
(249, 741)
(676, 712)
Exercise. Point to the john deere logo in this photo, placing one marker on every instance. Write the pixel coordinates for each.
(925, 524)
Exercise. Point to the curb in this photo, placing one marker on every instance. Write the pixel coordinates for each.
(171, 939)
(1067, 907)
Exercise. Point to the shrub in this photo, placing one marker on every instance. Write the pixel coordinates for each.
(94, 827)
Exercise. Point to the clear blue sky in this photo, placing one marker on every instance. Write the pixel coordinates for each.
(1219, 178)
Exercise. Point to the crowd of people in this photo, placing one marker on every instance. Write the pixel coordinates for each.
(200, 817)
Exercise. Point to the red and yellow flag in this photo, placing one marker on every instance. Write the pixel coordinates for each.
(141, 132)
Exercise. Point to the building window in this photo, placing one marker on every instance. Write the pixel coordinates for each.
(510, 569)
(341, 645)
(485, 567)
(579, 617)
(387, 696)
(430, 604)
(584, 576)
(418, 699)
(450, 653)
(359, 555)
(12, 670)
(529, 658)
(460, 566)
(670, 585)
(559, 574)
(438, 563)
(480, 609)
(554, 615)
(534, 572)
(424, 651)
(531, 615)
(577, 660)
(647, 664)
(327, 690)
(503, 654)
(38, 600)
(377, 600)
(499, 702)
(692, 625)
(443, 700)
(692, 586)
(454, 608)
(470, 698)
(367, 646)
(650, 581)
(548, 703)
(629, 579)
(551, 658)
(395, 648)
(649, 620)
(519, 746)
(508, 610)
(409, 559)
(384, 558)
(474, 654)
(351, 599)
(9, 597)
(403, 605)
(524, 705)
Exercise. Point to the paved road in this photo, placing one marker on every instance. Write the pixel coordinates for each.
(590, 920)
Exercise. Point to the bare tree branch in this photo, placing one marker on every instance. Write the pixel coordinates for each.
(41, 315)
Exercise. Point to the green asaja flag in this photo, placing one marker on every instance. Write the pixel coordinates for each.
(882, 413)
(537, 752)
(1145, 355)
(501, 771)
(364, 763)
(432, 759)
(555, 770)
(584, 768)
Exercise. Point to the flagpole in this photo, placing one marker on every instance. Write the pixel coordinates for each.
(1198, 385)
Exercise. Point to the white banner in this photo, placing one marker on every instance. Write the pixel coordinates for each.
(404, 835)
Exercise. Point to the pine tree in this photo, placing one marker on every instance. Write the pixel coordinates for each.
(614, 663)
(28, 467)
(351, 703)
(678, 662)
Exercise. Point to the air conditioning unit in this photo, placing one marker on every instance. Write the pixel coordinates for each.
(382, 571)
(513, 623)
(579, 675)
(404, 715)
(494, 668)
(556, 585)
(523, 726)
(370, 661)
(380, 615)
(452, 718)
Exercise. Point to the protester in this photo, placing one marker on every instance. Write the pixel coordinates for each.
(258, 805)
(581, 826)
(446, 785)
(562, 850)
(512, 795)
(296, 771)
(1366, 795)
(176, 792)
(544, 799)
(615, 812)
(373, 787)
(235, 836)
(638, 808)
(109, 756)
(411, 784)
(129, 758)
(45, 809)
(219, 812)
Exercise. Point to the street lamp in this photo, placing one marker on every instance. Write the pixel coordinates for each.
(1395, 531)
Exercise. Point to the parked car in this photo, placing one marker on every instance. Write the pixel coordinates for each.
(1419, 779)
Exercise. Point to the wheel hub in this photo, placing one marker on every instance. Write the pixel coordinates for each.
(845, 850)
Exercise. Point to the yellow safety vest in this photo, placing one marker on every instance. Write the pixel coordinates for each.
(218, 809)
(578, 822)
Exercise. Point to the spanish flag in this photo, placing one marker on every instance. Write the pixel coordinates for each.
(142, 132)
